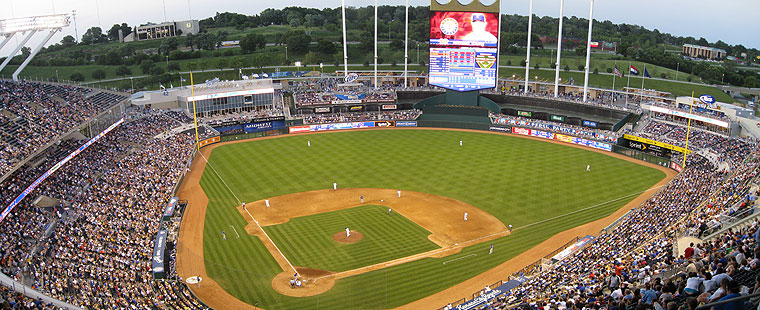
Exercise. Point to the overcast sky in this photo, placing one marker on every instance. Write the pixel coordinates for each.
(733, 21)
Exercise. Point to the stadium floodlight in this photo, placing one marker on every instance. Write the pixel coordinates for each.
(24, 24)
(30, 26)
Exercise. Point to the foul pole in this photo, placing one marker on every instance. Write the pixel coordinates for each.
(375, 44)
(195, 117)
(406, 44)
(527, 57)
(688, 129)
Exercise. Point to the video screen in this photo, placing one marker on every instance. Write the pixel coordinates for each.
(463, 50)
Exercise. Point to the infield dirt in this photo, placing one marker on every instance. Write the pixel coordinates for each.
(190, 244)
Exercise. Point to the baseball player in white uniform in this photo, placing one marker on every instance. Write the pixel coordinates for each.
(335, 186)
(399, 194)
(348, 232)
(460, 142)
(267, 202)
(308, 143)
(465, 216)
(588, 167)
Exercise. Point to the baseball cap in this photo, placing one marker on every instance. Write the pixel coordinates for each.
(479, 17)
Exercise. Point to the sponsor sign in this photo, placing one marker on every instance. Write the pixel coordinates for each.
(563, 138)
(589, 123)
(524, 113)
(339, 126)
(351, 77)
(406, 123)
(542, 134)
(502, 129)
(356, 108)
(649, 148)
(322, 110)
(261, 126)
(55, 168)
(389, 107)
(657, 143)
(557, 118)
(689, 115)
(268, 119)
(385, 124)
(208, 141)
(295, 129)
(521, 131)
(347, 101)
(707, 99)
(477, 302)
(573, 248)
(676, 166)
(157, 261)
(169, 210)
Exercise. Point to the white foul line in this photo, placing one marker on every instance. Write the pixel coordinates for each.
(233, 228)
(249, 214)
(458, 258)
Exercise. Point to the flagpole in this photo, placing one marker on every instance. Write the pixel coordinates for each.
(588, 50)
(688, 129)
(559, 49)
(527, 57)
(643, 76)
(614, 75)
(195, 117)
(628, 85)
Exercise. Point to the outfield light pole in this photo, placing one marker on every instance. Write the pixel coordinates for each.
(345, 48)
(527, 57)
(375, 44)
(588, 51)
(406, 44)
(559, 49)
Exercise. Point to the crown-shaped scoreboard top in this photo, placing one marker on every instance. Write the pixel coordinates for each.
(486, 6)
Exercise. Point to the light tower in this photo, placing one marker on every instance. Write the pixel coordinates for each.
(30, 26)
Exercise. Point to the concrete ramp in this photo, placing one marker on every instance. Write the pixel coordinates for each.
(750, 126)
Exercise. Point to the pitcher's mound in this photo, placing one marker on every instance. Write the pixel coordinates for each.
(341, 237)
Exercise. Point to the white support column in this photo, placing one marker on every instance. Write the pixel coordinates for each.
(588, 51)
(18, 48)
(375, 44)
(498, 49)
(34, 52)
(6, 40)
(527, 57)
(406, 45)
(345, 47)
(559, 49)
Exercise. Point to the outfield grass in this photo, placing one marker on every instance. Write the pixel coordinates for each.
(307, 241)
(533, 185)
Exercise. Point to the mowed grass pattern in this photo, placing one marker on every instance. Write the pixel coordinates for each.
(307, 241)
(540, 188)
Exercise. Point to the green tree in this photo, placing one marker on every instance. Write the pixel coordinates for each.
(222, 63)
(326, 47)
(297, 41)
(123, 70)
(93, 35)
(146, 65)
(168, 45)
(157, 70)
(99, 74)
(581, 67)
(366, 42)
(68, 41)
(397, 44)
(251, 42)
(173, 66)
(192, 66)
(77, 77)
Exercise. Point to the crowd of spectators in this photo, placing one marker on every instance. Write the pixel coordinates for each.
(622, 267)
(361, 116)
(606, 99)
(33, 115)
(563, 128)
(113, 194)
(241, 116)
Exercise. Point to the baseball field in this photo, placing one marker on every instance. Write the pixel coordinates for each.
(403, 249)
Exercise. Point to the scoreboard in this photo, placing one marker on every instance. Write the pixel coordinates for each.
(463, 50)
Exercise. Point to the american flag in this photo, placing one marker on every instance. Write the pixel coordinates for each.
(617, 72)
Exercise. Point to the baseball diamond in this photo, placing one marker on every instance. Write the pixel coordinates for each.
(486, 177)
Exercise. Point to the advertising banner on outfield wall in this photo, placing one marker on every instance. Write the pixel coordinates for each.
(406, 123)
(295, 129)
(564, 138)
(170, 207)
(157, 261)
(502, 129)
(339, 126)
(555, 128)
(385, 124)
(389, 107)
(263, 126)
(208, 141)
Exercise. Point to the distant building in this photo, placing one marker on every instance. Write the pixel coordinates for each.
(163, 30)
(705, 52)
